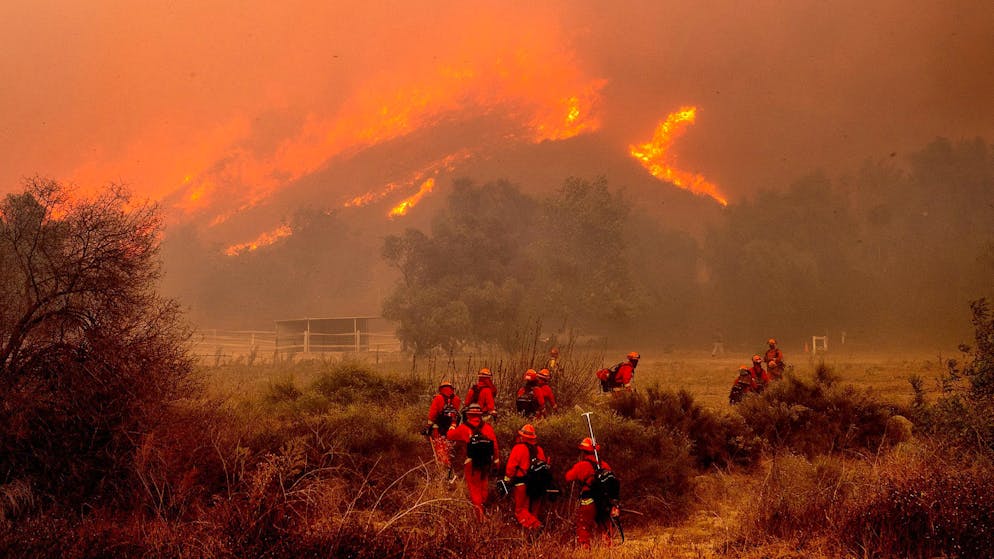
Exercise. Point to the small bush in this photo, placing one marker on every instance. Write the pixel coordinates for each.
(717, 439)
(812, 417)
(348, 382)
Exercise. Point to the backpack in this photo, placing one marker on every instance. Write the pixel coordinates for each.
(609, 377)
(527, 403)
(538, 478)
(480, 449)
(605, 490)
(474, 395)
(448, 417)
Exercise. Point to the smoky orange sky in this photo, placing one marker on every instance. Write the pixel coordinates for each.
(199, 103)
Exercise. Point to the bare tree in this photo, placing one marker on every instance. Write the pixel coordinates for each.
(90, 354)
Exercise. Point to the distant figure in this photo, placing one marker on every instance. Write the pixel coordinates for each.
(528, 471)
(482, 455)
(442, 416)
(553, 363)
(482, 393)
(743, 385)
(530, 401)
(758, 373)
(549, 405)
(774, 354)
(719, 344)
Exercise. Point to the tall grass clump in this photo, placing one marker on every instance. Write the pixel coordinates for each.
(349, 382)
(924, 503)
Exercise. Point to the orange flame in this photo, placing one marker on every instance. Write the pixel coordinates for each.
(401, 208)
(543, 95)
(655, 156)
(265, 239)
(447, 163)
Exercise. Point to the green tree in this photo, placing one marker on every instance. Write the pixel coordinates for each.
(90, 355)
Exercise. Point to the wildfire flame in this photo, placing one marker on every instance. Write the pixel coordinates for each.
(656, 158)
(401, 208)
(265, 239)
(447, 163)
(541, 103)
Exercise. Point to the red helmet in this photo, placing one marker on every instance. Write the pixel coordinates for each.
(485, 373)
(588, 445)
(544, 374)
(474, 409)
(772, 341)
(633, 356)
(554, 352)
(530, 374)
(445, 383)
(757, 359)
(527, 432)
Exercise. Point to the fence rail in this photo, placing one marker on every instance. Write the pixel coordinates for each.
(221, 346)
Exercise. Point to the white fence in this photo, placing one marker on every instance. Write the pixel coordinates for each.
(260, 346)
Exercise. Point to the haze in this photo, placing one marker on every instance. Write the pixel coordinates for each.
(219, 108)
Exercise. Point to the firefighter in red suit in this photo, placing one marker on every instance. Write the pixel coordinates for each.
(531, 385)
(586, 514)
(776, 356)
(545, 389)
(477, 474)
(626, 372)
(758, 373)
(439, 424)
(482, 393)
(526, 510)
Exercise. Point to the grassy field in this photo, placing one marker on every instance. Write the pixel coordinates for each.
(722, 499)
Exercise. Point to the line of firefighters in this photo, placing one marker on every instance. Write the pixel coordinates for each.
(527, 476)
(755, 379)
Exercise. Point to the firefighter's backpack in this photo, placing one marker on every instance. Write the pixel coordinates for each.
(448, 417)
(609, 377)
(605, 490)
(527, 403)
(538, 478)
(480, 450)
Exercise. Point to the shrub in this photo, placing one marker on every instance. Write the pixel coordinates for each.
(349, 382)
(817, 416)
(717, 439)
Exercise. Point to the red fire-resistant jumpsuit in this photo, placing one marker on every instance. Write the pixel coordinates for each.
(539, 396)
(526, 510)
(477, 479)
(759, 376)
(586, 514)
(483, 391)
(623, 378)
(774, 354)
(546, 398)
(438, 442)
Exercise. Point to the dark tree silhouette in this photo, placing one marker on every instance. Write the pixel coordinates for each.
(90, 355)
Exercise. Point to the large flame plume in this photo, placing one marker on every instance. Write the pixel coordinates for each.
(527, 77)
(655, 156)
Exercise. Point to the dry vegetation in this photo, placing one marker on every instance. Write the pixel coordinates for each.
(323, 458)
